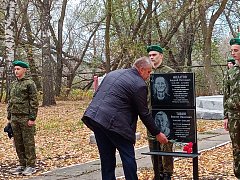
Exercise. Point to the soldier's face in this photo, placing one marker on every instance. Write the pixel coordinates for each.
(230, 64)
(156, 58)
(235, 52)
(19, 71)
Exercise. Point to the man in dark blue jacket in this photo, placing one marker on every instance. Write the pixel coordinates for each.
(113, 113)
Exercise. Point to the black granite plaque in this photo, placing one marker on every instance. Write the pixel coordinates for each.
(174, 109)
(176, 124)
(173, 89)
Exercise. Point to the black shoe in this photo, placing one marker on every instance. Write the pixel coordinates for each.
(167, 176)
(161, 177)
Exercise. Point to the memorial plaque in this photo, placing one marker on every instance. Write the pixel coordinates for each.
(173, 89)
(174, 112)
(176, 124)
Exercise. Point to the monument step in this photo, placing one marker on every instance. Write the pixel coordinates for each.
(209, 114)
(210, 102)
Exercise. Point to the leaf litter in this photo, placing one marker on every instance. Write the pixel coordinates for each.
(63, 140)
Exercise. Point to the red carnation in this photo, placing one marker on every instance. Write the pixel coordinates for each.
(188, 147)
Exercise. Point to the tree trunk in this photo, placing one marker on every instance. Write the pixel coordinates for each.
(9, 41)
(29, 46)
(33, 68)
(210, 84)
(59, 51)
(2, 79)
(207, 30)
(70, 79)
(107, 35)
(48, 90)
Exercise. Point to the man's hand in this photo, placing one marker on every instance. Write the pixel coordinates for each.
(31, 123)
(162, 138)
(226, 124)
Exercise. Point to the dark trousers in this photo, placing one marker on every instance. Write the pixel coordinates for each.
(108, 142)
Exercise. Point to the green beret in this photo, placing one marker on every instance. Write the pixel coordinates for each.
(155, 48)
(20, 63)
(235, 41)
(231, 59)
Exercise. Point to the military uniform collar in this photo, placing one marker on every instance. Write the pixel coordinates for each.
(160, 66)
(22, 79)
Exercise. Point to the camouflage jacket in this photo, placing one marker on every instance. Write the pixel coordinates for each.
(163, 69)
(231, 89)
(23, 99)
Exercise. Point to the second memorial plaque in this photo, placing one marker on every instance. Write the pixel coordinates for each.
(176, 124)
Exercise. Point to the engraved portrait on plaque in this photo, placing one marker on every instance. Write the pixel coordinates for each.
(163, 123)
(161, 89)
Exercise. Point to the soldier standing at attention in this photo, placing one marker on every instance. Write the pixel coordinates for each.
(165, 163)
(22, 111)
(232, 104)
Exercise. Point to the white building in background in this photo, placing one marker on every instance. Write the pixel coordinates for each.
(100, 79)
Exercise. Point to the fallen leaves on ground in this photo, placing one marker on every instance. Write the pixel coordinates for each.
(215, 164)
(62, 140)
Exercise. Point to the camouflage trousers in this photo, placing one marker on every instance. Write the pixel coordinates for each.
(165, 163)
(234, 131)
(24, 140)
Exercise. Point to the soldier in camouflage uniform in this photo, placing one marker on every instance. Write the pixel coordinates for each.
(165, 163)
(232, 104)
(230, 62)
(22, 111)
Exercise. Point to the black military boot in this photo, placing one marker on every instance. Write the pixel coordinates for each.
(161, 176)
(167, 176)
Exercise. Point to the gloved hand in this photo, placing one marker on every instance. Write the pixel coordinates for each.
(8, 129)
